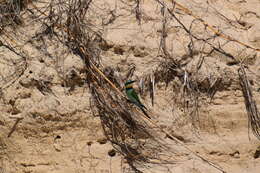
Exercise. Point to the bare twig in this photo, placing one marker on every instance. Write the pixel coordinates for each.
(18, 119)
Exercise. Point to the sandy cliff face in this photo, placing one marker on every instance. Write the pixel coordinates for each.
(43, 82)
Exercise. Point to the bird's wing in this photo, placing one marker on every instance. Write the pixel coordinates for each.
(134, 94)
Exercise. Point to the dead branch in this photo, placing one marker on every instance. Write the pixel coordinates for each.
(14, 126)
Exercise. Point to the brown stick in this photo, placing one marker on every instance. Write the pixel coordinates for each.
(14, 126)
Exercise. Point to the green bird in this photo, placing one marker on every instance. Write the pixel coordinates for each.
(133, 97)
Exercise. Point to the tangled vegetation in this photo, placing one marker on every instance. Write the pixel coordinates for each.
(72, 25)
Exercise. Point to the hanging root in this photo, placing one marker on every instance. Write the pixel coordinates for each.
(251, 108)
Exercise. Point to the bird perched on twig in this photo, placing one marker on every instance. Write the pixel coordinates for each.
(133, 97)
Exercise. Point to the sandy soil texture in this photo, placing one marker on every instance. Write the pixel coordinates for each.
(191, 50)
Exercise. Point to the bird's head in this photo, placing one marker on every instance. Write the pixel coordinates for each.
(129, 84)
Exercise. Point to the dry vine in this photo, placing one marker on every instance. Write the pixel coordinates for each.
(138, 141)
(252, 111)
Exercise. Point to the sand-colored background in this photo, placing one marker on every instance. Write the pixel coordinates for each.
(58, 132)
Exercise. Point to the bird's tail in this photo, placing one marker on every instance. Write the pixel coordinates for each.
(142, 108)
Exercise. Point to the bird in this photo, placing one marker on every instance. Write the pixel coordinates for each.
(133, 97)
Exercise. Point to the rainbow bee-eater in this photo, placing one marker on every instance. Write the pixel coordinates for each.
(133, 97)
